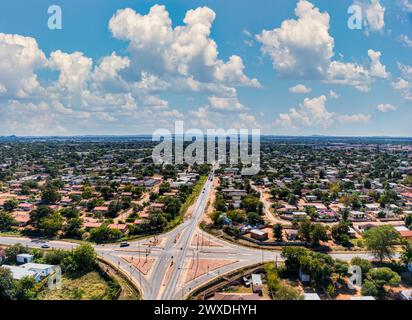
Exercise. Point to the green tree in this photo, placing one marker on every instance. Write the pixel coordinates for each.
(13, 251)
(278, 232)
(341, 268)
(254, 218)
(382, 277)
(50, 196)
(51, 224)
(340, 232)
(10, 205)
(293, 257)
(408, 221)
(318, 233)
(6, 221)
(7, 289)
(250, 203)
(364, 264)
(406, 255)
(381, 241)
(26, 289)
(85, 258)
(37, 215)
(103, 234)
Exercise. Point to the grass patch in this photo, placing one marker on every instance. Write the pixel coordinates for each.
(91, 286)
(197, 189)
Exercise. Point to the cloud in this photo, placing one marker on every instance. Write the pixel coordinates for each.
(401, 84)
(333, 95)
(386, 107)
(406, 42)
(227, 104)
(20, 57)
(354, 118)
(314, 113)
(302, 48)
(375, 16)
(406, 5)
(377, 69)
(184, 51)
(74, 69)
(300, 88)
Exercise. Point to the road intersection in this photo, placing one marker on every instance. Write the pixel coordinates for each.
(171, 265)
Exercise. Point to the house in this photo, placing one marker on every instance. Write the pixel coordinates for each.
(292, 234)
(257, 283)
(365, 298)
(42, 269)
(303, 276)
(407, 235)
(260, 235)
(299, 216)
(373, 207)
(357, 216)
(120, 227)
(101, 210)
(25, 207)
(406, 294)
(21, 218)
(19, 273)
(311, 296)
(24, 258)
(92, 225)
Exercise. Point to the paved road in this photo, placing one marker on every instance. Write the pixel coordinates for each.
(171, 254)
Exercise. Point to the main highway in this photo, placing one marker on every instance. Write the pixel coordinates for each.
(170, 257)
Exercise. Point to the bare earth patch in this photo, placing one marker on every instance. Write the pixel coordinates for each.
(199, 267)
(141, 264)
(202, 241)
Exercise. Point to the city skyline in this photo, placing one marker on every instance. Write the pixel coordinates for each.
(290, 68)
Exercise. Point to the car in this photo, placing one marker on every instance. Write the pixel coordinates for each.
(246, 282)
(124, 244)
(45, 246)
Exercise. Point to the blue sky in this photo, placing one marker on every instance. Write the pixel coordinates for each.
(131, 67)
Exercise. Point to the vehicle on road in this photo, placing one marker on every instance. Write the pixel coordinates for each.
(246, 282)
(45, 246)
(124, 244)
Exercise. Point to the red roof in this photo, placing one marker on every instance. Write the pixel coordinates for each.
(406, 234)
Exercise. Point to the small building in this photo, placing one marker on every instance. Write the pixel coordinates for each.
(363, 298)
(101, 210)
(311, 296)
(257, 283)
(42, 269)
(303, 276)
(357, 216)
(292, 234)
(260, 235)
(406, 294)
(299, 216)
(19, 273)
(121, 227)
(372, 207)
(24, 258)
(25, 207)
